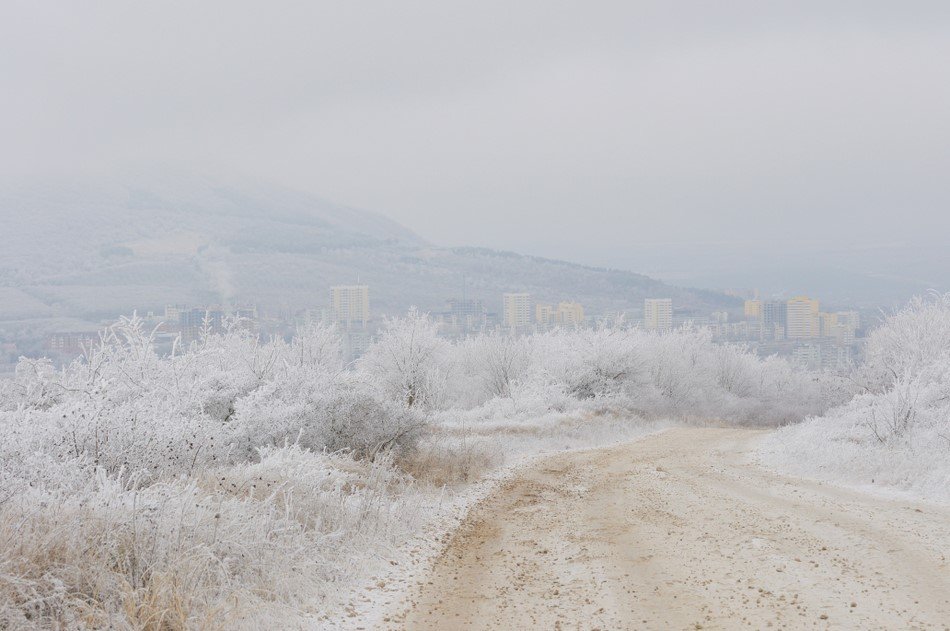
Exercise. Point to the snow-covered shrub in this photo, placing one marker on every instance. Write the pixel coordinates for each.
(409, 361)
(237, 480)
(912, 343)
(245, 546)
(452, 460)
(895, 433)
(316, 348)
(681, 374)
(354, 417)
(502, 361)
(340, 412)
(609, 362)
(35, 385)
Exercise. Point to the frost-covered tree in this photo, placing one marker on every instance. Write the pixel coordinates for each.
(896, 429)
(912, 343)
(409, 361)
(501, 361)
(126, 475)
(607, 362)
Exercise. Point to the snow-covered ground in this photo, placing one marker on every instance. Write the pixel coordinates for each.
(268, 484)
(680, 531)
(387, 587)
(839, 448)
(894, 436)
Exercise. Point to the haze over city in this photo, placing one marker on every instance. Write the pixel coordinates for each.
(665, 138)
(474, 315)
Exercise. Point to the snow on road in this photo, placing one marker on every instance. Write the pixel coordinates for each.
(682, 530)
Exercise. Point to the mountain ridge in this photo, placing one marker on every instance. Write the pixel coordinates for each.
(96, 249)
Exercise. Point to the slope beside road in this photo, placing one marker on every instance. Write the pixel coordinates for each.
(682, 530)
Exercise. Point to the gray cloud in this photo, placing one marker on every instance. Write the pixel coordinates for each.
(560, 128)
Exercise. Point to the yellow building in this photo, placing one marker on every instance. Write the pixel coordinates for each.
(753, 309)
(569, 314)
(828, 323)
(517, 310)
(349, 305)
(803, 319)
(658, 314)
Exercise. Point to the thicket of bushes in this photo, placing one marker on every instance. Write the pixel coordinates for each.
(895, 432)
(239, 481)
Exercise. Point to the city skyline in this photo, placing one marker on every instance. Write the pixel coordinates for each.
(794, 328)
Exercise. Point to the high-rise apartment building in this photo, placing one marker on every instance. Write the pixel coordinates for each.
(807, 355)
(349, 305)
(173, 313)
(466, 314)
(543, 314)
(827, 323)
(774, 319)
(803, 318)
(850, 319)
(753, 309)
(841, 326)
(842, 334)
(569, 314)
(517, 310)
(658, 314)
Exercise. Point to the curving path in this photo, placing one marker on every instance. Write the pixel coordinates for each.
(681, 531)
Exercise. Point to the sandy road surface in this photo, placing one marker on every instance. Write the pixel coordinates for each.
(682, 531)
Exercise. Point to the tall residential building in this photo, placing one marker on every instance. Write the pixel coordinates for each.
(658, 314)
(466, 314)
(850, 319)
(807, 355)
(827, 323)
(774, 319)
(70, 343)
(517, 310)
(173, 313)
(543, 314)
(753, 309)
(803, 318)
(349, 305)
(842, 334)
(842, 328)
(355, 343)
(569, 314)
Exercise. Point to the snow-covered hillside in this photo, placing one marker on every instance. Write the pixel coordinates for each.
(98, 249)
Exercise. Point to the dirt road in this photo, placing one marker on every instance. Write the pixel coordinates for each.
(682, 531)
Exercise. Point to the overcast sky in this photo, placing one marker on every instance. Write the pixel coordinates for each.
(551, 127)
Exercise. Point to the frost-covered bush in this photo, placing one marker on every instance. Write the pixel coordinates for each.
(609, 362)
(896, 432)
(121, 408)
(409, 361)
(501, 362)
(238, 480)
(196, 489)
(681, 374)
(355, 418)
(912, 343)
(243, 546)
(34, 386)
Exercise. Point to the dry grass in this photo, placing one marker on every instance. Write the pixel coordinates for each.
(447, 461)
(245, 547)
